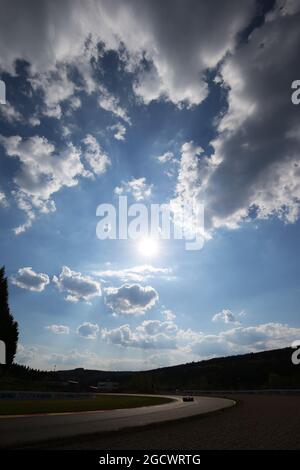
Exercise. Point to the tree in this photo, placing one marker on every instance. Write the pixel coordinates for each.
(9, 332)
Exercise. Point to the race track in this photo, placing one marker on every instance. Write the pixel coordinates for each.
(16, 431)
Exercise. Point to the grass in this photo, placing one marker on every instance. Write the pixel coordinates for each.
(101, 402)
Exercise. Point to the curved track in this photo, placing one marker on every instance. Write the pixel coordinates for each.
(28, 429)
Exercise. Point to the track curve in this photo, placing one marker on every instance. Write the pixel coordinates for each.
(31, 429)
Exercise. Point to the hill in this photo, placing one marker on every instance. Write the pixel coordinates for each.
(268, 369)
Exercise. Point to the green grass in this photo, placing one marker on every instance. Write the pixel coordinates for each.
(101, 402)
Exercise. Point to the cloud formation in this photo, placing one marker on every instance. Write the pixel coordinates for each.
(254, 170)
(138, 32)
(28, 279)
(137, 187)
(96, 159)
(135, 274)
(88, 330)
(59, 329)
(160, 335)
(225, 316)
(41, 173)
(76, 285)
(132, 299)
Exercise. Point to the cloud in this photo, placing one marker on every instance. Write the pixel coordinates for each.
(26, 354)
(135, 274)
(26, 278)
(166, 157)
(11, 114)
(76, 285)
(173, 73)
(56, 87)
(137, 187)
(130, 299)
(44, 358)
(110, 103)
(41, 173)
(160, 335)
(97, 160)
(225, 316)
(119, 131)
(168, 315)
(88, 330)
(194, 170)
(254, 171)
(3, 200)
(244, 339)
(59, 329)
(151, 334)
(138, 33)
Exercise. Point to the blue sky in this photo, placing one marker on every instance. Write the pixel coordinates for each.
(115, 99)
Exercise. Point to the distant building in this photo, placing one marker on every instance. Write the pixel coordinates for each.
(107, 386)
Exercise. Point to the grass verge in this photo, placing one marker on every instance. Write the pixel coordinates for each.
(101, 402)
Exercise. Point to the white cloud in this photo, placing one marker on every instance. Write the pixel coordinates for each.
(25, 354)
(10, 113)
(244, 339)
(225, 316)
(168, 315)
(76, 285)
(137, 187)
(194, 171)
(166, 157)
(160, 335)
(59, 329)
(94, 155)
(171, 346)
(44, 358)
(56, 87)
(26, 278)
(130, 299)
(119, 131)
(110, 103)
(151, 334)
(135, 274)
(88, 330)
(41, 173)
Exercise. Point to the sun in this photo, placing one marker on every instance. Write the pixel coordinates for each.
(148, 247)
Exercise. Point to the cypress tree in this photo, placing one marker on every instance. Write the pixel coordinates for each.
(9, 332)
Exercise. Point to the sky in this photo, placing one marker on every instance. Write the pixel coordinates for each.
(165, 103)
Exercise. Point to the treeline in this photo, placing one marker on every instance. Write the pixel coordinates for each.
(268, 369)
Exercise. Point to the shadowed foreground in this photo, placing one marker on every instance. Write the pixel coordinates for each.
(258, 422)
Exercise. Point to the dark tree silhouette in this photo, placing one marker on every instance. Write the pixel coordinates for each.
(9, 332)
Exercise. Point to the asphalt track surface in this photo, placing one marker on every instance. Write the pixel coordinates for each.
(19, 430)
